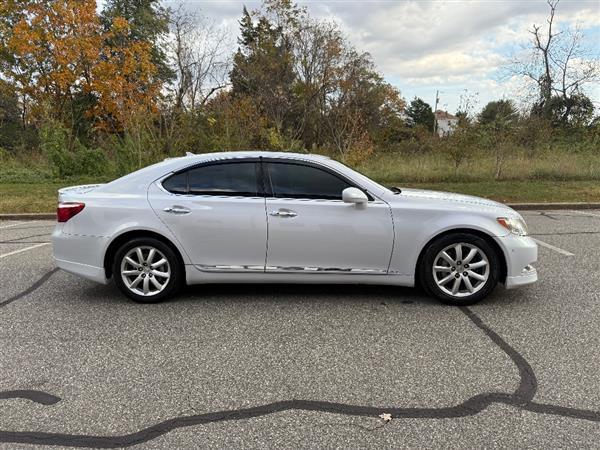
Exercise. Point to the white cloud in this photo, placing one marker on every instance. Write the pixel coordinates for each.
(421, 46)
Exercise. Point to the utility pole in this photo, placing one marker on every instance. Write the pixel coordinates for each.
(437, 100)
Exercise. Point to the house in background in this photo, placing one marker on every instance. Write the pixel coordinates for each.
(445, 123)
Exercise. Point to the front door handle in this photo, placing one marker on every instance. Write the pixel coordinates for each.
(283, 213)
(177, 210)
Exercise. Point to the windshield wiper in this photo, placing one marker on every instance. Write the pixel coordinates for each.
(396, 190)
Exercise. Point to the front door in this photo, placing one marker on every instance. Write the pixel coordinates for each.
(217, 212)
(311, 230)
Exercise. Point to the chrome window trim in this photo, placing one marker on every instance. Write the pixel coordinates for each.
(318, 166)
(159, 181)
(191, 196)
(264, 159)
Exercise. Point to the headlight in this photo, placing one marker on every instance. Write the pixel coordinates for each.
(514, 225)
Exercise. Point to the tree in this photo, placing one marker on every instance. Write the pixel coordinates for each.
(64, 66)
(197, 50)
(52, 47)
(148, 22)
(318, 54)
(420, 113)
(576, 110)
(500, 110)
(559, 65)
(263, 64)
(125, 80)
(498, 119)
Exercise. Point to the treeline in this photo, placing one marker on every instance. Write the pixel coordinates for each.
(102, 93)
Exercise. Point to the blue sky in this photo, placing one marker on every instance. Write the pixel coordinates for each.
(459, 47)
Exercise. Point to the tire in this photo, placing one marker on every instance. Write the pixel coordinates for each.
(459, 269)
(151, 277)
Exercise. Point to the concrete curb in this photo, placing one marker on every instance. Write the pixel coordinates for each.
(553, 206)
(517, 206)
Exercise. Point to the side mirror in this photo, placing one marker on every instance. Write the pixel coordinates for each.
(353, 195)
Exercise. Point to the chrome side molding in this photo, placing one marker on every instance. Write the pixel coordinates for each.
(291, 269)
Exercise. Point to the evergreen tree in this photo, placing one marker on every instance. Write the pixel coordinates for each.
(420, 113)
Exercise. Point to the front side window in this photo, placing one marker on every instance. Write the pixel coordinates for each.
(300, 181)
(223, 179)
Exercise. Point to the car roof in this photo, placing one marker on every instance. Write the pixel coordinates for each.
(199, 157)
(138, 179)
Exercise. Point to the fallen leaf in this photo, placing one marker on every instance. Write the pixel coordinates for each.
(386, 417)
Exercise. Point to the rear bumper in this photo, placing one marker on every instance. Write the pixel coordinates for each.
(80, 255)
(93, 273)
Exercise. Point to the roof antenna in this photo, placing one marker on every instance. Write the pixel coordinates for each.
(190, 154)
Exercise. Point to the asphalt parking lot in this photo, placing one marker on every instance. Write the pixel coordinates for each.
(302, 366)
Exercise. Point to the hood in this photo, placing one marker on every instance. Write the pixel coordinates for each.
(450, 198)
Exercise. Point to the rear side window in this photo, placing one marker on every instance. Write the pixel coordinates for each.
(224, 179)
(299, 181)
(177, 184)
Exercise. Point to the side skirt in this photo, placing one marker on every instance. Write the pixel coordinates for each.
(196, 276)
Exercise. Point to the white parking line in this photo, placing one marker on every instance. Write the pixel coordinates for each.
(23, 250)
(585, 213)
(552, 247)
(14, 225)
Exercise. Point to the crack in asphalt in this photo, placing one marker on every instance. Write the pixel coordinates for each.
(22, 238)
(30, 227)
(35, 396)
(549, 216)
(30, 289)
(522, 398)
(25, 242)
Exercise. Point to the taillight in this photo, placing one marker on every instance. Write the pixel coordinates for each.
(67, 210)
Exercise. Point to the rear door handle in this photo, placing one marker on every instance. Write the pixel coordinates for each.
(177, 210)
(283, 213)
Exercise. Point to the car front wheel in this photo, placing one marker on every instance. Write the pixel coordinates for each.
(147, 270)
(460, 269)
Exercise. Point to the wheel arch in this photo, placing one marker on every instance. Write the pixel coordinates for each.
(118, 241)
(488, 238)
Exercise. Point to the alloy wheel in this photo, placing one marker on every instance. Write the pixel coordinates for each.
(461, 269)
(145, 270)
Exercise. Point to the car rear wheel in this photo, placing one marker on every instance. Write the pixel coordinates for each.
(147, 270)
(459, 269)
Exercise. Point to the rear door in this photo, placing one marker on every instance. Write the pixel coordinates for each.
(311, 230)
(217, 212)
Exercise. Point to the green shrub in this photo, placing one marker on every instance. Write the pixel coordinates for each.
(67, 156)
(54, 142)
(90, 161)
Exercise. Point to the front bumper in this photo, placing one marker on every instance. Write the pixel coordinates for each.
(521, 253)
(529, 276)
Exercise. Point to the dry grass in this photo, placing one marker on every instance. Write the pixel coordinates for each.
(436, 167)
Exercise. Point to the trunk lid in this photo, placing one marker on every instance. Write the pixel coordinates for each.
(72, 192)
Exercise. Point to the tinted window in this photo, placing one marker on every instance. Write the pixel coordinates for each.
(237, 179)
(298, 181)
(177, 183)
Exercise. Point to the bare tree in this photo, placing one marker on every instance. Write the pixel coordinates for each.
(199, 53)
(559, 65)
(317, 55)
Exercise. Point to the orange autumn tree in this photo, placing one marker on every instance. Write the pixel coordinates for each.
(124, 79)
(55, 52)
